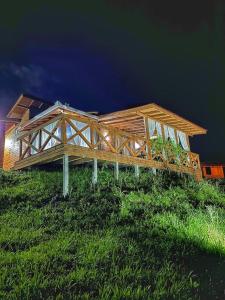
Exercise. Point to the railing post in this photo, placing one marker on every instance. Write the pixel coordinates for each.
(148, 148)
(40, 140)
(92, 135)
(64, 137)
(65, 175)
(21, 149)
(29, 141)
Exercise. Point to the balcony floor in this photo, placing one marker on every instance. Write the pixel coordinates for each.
(82, 154)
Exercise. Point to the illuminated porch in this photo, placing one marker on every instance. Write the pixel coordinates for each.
(72, 138)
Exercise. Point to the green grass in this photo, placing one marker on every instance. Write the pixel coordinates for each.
(159, 237)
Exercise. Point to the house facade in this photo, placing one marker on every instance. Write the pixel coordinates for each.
(146, 136)
(23, 110)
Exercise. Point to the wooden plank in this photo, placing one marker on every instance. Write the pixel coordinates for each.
(116, 120)
(43, 157)
(58, 151)
(63, 129)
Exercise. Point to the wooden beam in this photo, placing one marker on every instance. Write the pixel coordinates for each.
(120, 119)
(148, 138)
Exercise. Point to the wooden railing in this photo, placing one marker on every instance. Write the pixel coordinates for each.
(81, 131)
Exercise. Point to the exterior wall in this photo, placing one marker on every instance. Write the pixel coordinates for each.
(11, 145)
(26, 117)
(11, 150)
(2, 143)
(217, 171)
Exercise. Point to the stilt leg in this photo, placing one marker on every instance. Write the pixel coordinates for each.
(65, 175)
(117, 170)
(137, 170)
(95, 171)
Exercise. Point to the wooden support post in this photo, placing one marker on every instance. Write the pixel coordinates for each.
(65, 175)
(29, 141)
(63, 128)
(149, 154)
(92, 135)
(163, 131)
(95, 171)
(188, 142)
(137, 171)
(164, 139)
(117, 170)
(40, 140)
(21, 149)
(176, 136)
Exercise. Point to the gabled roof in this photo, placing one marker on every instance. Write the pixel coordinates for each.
(51, 113)
(24, 103)
(131, 120)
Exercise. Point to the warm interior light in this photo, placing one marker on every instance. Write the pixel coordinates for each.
(106, 136)
(136, 145)
(8, 143)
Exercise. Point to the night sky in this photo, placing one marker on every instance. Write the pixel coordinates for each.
(110, 55)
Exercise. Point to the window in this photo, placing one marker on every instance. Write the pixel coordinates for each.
(208, 170)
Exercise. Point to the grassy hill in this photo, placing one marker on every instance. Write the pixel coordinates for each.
(159, 237)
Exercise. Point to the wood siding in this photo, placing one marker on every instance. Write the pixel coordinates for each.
(2, 143)
(11, 149)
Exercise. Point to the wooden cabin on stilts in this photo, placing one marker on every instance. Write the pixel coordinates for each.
(42, 133)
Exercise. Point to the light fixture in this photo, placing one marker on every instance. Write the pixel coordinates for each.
(106, 135)
(136, 145)
(8, 143)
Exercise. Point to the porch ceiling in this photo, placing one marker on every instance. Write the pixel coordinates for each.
(132, 120)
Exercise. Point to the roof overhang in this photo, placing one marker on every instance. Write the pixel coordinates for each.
(24, 103)
(50, 113)
(132, 119)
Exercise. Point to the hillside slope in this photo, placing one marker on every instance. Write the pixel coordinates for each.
(159, 237)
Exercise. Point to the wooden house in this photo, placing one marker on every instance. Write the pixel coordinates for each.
(213, 171)
(42, 133)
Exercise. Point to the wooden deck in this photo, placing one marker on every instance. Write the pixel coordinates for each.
(82, 139)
